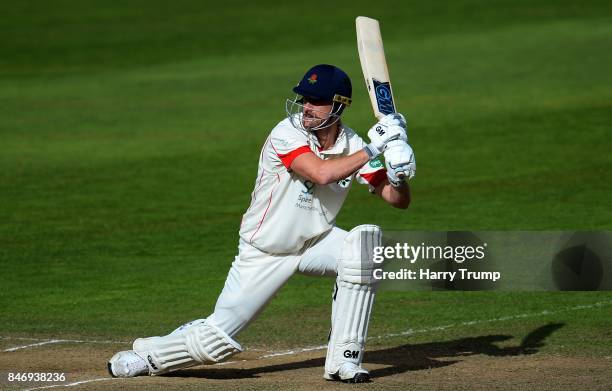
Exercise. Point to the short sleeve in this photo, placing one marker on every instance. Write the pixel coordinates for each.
(288, 143)
(372, 173)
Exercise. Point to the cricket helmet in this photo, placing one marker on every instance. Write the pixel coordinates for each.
(326, 82)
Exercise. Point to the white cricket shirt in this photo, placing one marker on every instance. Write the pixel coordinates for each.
(286, 209)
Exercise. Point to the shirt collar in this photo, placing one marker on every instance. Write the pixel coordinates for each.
(339, 147)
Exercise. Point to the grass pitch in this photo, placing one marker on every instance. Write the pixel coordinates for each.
(129, 137)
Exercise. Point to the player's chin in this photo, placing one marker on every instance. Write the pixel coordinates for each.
(310, 123)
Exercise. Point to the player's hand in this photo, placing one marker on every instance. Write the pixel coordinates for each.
(394, 119)
(400, 162)
(390, 127)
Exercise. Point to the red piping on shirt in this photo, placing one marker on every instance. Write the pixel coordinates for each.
(265, 213)
(375, 178)
(288, 158)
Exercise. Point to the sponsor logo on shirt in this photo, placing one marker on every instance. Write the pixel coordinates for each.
(308, 187)
(305, 197)
(344, 183)
(376, 163)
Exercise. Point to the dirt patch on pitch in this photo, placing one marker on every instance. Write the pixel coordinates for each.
(461, 365)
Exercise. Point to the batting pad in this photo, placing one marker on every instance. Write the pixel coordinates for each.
(199, 343)
(356, 263)
(350, 325)
(354, 298)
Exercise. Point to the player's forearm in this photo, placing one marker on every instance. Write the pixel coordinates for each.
(398, 197)
(333, 170)
(323, 172)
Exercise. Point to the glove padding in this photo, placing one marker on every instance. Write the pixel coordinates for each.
(394, 119)
(399, 162)
(390, 127)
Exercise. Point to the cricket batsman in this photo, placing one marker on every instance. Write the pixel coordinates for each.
(306, 167)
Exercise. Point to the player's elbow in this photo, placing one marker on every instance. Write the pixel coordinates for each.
(322, 178)
(401, 202)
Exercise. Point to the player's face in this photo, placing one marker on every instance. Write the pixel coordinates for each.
(315, 112)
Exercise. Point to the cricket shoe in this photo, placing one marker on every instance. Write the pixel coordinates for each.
(349, 373)
(127, 364)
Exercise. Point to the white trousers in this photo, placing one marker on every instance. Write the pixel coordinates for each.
(256, 276)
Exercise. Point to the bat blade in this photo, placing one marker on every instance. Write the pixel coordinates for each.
(374, 66)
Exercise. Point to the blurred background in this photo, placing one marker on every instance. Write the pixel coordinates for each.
(130, 133)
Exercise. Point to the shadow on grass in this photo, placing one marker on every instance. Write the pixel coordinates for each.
(401, 358)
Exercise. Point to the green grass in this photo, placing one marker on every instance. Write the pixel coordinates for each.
(129, 137)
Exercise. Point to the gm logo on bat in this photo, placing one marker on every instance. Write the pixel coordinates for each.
(384, 99)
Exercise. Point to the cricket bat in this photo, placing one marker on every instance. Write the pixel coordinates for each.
(374, 66)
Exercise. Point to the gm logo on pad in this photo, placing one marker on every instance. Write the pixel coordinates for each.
(384, 99)
(351, 354)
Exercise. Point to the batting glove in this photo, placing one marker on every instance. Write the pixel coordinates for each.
(391, 127)
(400, 162)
